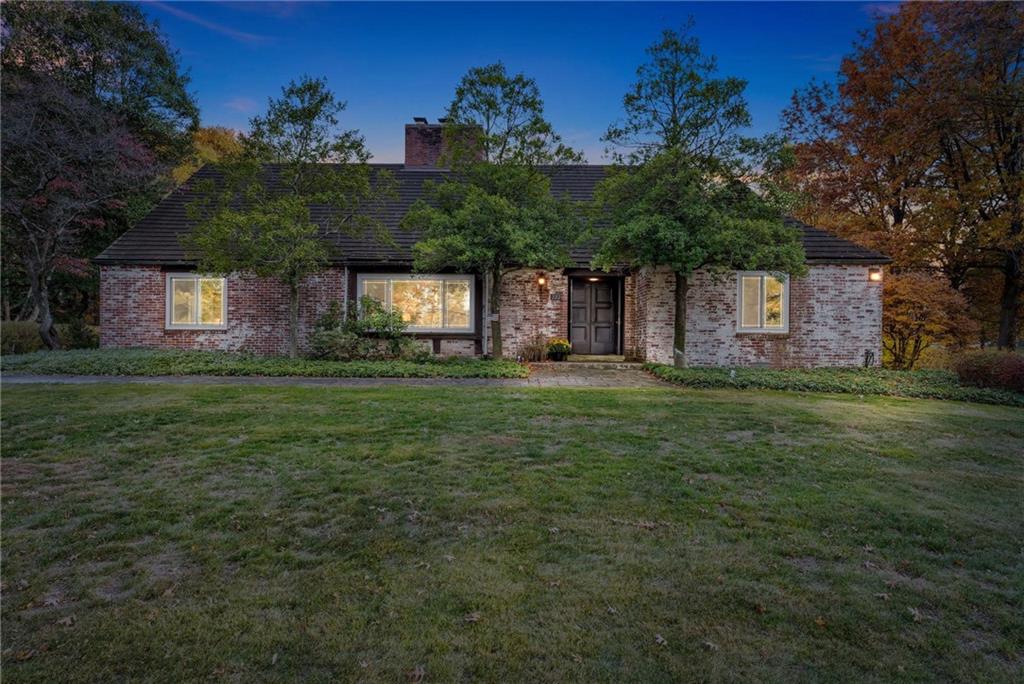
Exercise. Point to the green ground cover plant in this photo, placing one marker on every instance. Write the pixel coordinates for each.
(165, 362)
(922, 384)
(225, 533)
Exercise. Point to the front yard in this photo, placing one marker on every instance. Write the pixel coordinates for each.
(382, 534)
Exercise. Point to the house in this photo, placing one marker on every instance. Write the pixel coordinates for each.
(150, 295)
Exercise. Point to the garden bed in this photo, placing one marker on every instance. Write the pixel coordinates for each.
(149, 362)
(921, 384)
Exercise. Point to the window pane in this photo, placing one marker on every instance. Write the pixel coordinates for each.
(376, 289)
(419, 302)
(750, 302)
(211, 301)
(183, 304)
(772, 303)
(456, 293)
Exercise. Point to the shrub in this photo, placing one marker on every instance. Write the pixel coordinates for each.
(922, 384)
(369, 331)
(536, 349)
(558, 345)
(152, 362)
(22, 337)
(991, 368)
(78, 335)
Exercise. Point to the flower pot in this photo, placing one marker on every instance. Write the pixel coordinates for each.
(557, 355)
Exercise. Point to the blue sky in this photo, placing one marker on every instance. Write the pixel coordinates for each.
(393, 61)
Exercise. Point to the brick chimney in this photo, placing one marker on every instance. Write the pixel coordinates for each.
(424, 143)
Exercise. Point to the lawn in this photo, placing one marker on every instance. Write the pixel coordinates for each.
(382, 534)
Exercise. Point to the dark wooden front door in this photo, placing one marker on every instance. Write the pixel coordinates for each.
(592, 327)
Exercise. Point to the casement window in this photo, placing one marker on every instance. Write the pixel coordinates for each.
(196, 302)
(762, 303)
(427, 302)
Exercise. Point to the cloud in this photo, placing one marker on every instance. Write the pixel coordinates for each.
(279, 10)
(245, 105)
(240, 36)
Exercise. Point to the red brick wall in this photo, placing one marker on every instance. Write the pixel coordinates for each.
(835, 316)
(133, 311)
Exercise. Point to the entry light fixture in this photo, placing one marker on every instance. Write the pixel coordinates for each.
(593, 280)
(875, 275)
(541, 280)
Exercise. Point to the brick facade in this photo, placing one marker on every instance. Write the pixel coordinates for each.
(530, 310)
(133, 301)
(835, 316)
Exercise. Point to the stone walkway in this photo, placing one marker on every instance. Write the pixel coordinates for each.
(546, 375)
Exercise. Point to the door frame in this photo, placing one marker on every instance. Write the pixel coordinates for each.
(620, 295)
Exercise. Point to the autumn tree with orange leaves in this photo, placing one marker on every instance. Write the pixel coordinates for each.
(919, 149)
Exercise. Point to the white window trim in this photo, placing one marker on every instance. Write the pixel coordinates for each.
(363, 277)
(169, 304)
(740, 328)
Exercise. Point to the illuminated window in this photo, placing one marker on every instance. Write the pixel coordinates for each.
(196, 302)
(428, 303)
(763, 303)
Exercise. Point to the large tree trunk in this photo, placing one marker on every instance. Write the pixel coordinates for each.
(679, 330)
(495, 306)
(293, 320)
(1010, 301)
(39, 295)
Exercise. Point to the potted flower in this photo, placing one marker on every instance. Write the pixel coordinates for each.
(558, 349)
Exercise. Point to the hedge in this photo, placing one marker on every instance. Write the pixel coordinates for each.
(921, 384)
(151, 362)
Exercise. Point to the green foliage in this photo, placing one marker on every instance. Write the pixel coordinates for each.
(676, 103)
(667, 212)
(257, 217)
(146, 362)
(991, 368)
(924, 384)
(498, 118)
(22, 337)
(496, 212)
(369, 331)
(697, 193)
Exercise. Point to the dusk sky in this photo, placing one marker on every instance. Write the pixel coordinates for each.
(393, 61)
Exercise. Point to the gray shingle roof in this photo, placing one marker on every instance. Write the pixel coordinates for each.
(156, 238)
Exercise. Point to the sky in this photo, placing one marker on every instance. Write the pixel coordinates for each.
(393, 61)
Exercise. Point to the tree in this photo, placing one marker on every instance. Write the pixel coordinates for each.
(919, 150)
(95, 109)
(256, 217)
(496, 212)
(65, 158)
(696, 195)
(919, 310)
(210, 144)
(677, 104)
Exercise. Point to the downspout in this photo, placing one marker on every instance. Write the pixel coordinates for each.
(486, 317)
(344, 304)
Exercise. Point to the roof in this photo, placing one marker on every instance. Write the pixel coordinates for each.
(156, 239)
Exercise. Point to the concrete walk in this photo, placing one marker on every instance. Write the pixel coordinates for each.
(546, 375)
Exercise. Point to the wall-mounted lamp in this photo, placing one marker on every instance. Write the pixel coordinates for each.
(593, 280)
(541, 280)
(875, 275)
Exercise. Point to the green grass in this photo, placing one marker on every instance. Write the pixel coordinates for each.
(164, 362)
(922, 384)
(275, 534)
